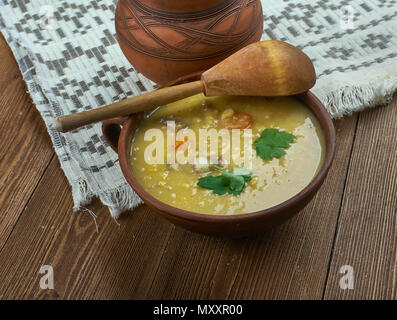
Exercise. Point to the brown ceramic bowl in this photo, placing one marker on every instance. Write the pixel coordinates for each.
(118, 133)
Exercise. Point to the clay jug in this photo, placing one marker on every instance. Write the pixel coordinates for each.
(167, 39)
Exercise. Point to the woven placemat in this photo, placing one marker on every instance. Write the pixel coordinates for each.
(70, 60)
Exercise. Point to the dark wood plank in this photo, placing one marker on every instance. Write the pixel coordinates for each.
(367, 232)
(149, 258)
(25, 148)
(117, 262)
(288, 262)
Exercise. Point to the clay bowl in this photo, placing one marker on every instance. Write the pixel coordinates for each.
(119, 132)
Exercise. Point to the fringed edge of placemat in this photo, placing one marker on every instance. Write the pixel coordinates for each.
(119, 199)
(349, 99)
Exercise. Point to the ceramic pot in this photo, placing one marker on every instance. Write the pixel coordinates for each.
(119, 134)
(166, 39)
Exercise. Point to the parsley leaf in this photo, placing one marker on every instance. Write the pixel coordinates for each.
(272, 142)
(235, 183)
(213, 183)
(244, 172)
(232, 182)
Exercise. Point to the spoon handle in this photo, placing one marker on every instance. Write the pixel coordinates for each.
(143, 102)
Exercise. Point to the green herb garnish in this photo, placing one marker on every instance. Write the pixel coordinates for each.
(232, 182)
(272, 143)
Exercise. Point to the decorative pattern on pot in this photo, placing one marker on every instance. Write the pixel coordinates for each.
(165, 45)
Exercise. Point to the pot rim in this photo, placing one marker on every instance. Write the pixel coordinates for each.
(326, 125)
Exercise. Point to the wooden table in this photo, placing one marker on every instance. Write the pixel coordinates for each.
(351, 221)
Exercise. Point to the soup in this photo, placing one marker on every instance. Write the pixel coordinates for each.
(273, 177)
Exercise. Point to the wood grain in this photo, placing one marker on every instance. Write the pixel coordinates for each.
(114, 263)
(25, 148)
(288, 262)
(367, 232)
(146, 257)
(149, 258)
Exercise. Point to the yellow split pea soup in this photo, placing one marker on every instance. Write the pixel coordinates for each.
(272, 181)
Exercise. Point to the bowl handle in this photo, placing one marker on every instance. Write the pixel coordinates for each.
(111, 129)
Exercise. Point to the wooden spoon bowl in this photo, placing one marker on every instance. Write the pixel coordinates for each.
(119, 133)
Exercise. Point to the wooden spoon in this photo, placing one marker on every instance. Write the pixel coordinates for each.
(266, 68)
